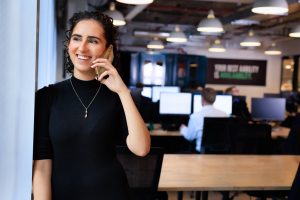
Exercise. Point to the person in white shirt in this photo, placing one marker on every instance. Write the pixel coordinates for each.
(195, 124)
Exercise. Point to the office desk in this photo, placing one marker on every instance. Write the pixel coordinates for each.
(183, 172)
(160, 132)
(279, 132)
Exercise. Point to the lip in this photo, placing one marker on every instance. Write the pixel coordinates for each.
(83, 58)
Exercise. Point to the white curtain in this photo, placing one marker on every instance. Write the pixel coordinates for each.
(17, 88)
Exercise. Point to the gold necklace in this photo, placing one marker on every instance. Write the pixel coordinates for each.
(85, 107)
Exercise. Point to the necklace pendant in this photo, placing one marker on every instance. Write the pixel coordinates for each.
(86, 107)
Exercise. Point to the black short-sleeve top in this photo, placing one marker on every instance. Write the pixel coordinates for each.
(82, 149)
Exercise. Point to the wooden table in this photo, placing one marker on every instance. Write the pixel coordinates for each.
(183, 172)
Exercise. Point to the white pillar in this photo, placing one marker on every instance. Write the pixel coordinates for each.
(17, 87)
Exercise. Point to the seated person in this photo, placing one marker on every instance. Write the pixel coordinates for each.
(195, 125)
(233, 90)
(239, 106)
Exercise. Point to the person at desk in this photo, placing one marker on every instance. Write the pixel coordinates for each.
(79, 121)
(195, 125)
(239, 105)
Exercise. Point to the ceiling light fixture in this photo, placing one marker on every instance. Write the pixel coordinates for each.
(250, 40)
(270, 7)
(273, 50)
(155, 44)
(210, 24)
(118, 18)
(135, 2)
(177, 36)
(217, 47)
(244, 22)
(151, 34)
(295, 32)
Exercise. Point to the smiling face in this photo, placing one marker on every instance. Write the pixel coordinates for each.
(87, 43)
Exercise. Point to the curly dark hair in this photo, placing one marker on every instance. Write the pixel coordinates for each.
(110, 34)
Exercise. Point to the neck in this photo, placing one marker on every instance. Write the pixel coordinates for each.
(204, 103)
(85, 76)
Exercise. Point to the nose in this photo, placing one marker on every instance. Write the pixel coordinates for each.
(83, 46)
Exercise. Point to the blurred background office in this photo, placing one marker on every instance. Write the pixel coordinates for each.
(167, 70)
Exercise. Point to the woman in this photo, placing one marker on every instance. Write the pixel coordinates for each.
(79, 121)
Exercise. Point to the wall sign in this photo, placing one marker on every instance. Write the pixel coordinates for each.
(236, 72)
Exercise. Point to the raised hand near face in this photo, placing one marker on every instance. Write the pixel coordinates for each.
(110, 76)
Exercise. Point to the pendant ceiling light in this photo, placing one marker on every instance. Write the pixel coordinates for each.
(270, 7)
(135, 2)
(217, 47)
(118, 18)
(250, 40)
(295, 32)
(210, 24)
(273, 50)
(155, 44)
(177, 36)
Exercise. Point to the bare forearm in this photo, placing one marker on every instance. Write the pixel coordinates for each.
(41, 184)
(138, 140)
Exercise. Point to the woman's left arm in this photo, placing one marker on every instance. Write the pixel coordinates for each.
(138, 139)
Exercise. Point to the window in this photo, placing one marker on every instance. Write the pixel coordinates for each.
(287, 74)
(153, 73)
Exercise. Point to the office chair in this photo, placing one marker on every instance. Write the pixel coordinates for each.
(216, 138)
(143, 173)
(252, 139)
(292, 143)
(295, 190)
(255, 139)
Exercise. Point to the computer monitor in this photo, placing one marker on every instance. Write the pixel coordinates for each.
(156, 90)
(222, 102)
(175, 103)
(147, 92)
(269, 109)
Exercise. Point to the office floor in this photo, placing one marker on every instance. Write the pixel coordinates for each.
(211, 196)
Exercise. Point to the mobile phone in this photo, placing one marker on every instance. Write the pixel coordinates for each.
(108, 54)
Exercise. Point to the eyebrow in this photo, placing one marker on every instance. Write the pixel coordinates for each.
(90, 37)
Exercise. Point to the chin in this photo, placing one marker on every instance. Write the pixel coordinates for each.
(84, 69)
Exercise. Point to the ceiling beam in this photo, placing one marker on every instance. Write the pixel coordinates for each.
(135, 11)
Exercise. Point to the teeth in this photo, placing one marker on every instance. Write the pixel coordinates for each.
(82, 57)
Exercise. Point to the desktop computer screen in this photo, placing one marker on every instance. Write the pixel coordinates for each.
(156, 90)
(223, 102)
(270, 109)
(147, 92)
(175, 103)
